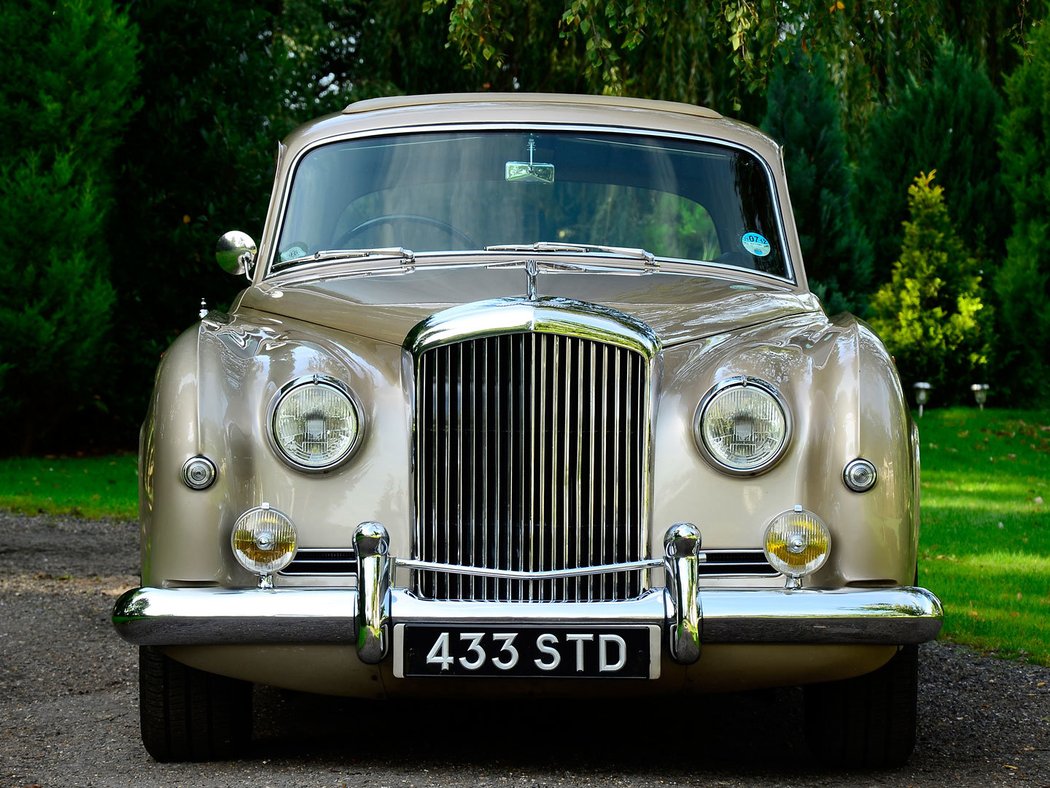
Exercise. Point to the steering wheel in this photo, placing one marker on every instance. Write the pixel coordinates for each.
(391, 218)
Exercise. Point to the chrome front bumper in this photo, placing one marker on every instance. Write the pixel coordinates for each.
(690, 615)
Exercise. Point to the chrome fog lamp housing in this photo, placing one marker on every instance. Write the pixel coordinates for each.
(796, 544)
(860, 475)
(742, 426)
(264, 541)
(198, 473)
(315, 423)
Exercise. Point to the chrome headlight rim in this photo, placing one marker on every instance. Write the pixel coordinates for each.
(314, 380)
(720, 388)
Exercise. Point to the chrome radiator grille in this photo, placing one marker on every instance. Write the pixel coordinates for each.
(530, 457)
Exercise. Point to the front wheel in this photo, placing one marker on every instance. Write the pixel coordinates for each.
(189, 715)
(867, 721)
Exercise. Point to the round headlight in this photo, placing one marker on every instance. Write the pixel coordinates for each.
(797, 543)
(315, 423)
(742, 426)
(263, 540)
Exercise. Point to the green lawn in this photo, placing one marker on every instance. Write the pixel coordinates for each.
(86, 486)
(985, 546)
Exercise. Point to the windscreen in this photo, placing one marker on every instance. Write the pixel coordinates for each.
(466, 191)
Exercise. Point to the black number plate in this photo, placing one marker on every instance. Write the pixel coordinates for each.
(565, 652)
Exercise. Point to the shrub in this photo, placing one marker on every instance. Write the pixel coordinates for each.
(932, 315)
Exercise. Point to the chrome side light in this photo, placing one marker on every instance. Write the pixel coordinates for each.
(797, 543)
(860, 475)
(742, 426)
(264, 542)
(315, 423)
(198, 473)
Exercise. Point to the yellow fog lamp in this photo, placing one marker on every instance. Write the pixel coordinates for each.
(264, 542)
(797, 544)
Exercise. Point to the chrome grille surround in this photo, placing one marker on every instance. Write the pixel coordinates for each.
(532, 452)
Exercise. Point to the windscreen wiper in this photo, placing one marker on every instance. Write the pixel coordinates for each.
(556, 246)
(327, 255)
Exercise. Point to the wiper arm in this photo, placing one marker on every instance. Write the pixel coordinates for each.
(554, 246)
(399, 252)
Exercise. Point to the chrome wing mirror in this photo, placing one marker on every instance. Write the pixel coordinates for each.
(236, 253)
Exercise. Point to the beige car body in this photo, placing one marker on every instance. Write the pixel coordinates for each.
(349, 320)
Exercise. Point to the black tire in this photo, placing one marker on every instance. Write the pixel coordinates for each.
(189, 715)
(869, 721)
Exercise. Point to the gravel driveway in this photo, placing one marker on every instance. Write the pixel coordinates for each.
(69, 717)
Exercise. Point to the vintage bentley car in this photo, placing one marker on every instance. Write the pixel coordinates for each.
(527, 396)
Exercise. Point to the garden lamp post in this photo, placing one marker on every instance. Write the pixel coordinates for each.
(922, 394)
(980, 393)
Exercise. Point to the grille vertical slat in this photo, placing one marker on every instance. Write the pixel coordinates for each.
(530, 456)
(613, 526)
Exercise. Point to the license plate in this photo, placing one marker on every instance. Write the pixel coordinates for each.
(527, 651)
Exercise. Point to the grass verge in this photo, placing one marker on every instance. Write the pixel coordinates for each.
(96, 487)
(985, 543)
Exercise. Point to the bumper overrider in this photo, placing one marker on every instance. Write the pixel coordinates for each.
(688, 614)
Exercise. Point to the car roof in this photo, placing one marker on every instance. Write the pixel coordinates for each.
(404, 113)
(553, 99)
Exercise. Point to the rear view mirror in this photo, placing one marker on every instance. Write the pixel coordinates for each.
(529, 171)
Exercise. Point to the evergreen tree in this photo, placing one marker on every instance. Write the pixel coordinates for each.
(198, 161)
(932, 315)
(65, 98)
(1023, 283)
(804, 115)
(946, 121)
